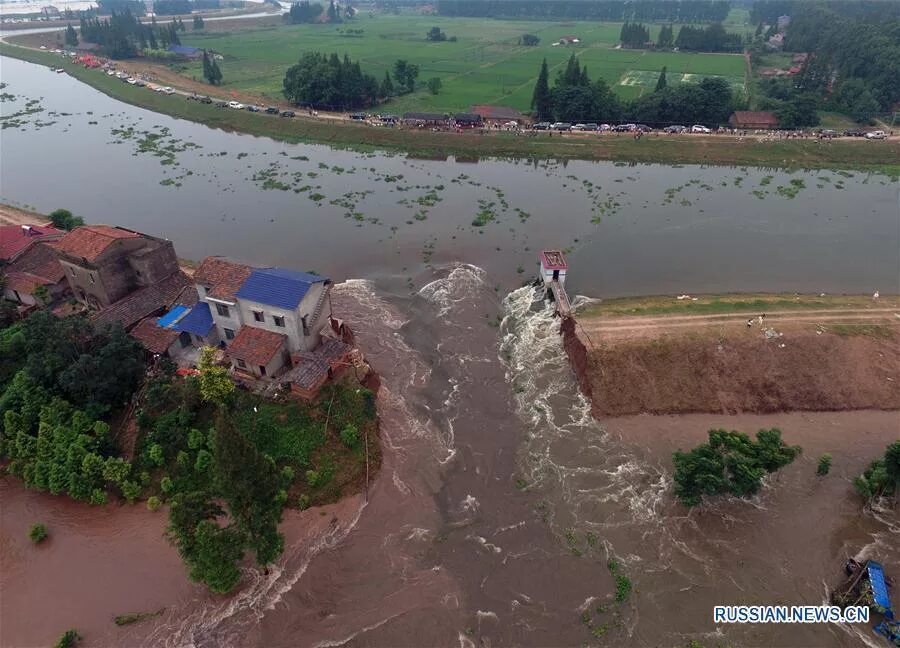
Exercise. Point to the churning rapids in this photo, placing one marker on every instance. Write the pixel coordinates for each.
(492, 520)
(500, 501)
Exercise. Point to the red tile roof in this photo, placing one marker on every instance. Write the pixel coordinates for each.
(37, 266)
(256, 346)
(154, 338)
(222, 277)
(14, 239)
(753, 118)
(90, 241)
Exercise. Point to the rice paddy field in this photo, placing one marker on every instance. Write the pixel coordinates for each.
(485, 65)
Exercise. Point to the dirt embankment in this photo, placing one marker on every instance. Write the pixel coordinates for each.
(798, 360)
(10, 215)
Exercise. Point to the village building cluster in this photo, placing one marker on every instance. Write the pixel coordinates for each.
(272, 325)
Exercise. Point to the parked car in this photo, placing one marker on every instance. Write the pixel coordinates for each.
(271, 110)
(253, 108)
(878, 134)
(131, 81)
(591, 127)
(674, 128)
(542, 126)
(237, 105)
(287, 113)
(140, 83)
(561, 126)
(643, 128)
(622, 128)
(221, 104)
(827, 133)
(157, 88)
(168, 90)
(854, 132)
(605, 127)
(578, 127)
(204, 100)
(699, 128)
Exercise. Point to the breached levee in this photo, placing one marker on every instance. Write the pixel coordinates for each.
(669, 356)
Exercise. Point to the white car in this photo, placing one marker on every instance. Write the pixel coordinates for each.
(158, 88)
(879, 134)
(236, 105)
(111, 72)
(131, 80)
(168, 90)
(697, 128)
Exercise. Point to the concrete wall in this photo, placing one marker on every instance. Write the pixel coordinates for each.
(275, 367)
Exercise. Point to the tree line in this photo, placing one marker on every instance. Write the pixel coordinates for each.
(712, 38)
(610, 10)
(574, 98)
(768, 11)
(311, 12)
(122, 34)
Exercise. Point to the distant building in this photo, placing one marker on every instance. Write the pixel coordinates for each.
(753, 120)
(569, 40)
(424, 119)
(496, 113)
(783, 22)
(104, 264)
(553, 266)
(776, 41)
(467, 120)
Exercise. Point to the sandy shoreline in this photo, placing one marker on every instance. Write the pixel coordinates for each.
(10, 215)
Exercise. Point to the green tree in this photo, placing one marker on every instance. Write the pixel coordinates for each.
(334, 15)
(435, 35)
(198, 22)
(216, 385)
(387, 86)
(661, 81)
(406, 73)
(730, 462)
(434, 85)
(250, 483)
(68, 639)
(37, 533)
(71, 36)
(824, 465)
(211, 71)
(541, 101)
(529, 40)
(882, 477)
(63, 219)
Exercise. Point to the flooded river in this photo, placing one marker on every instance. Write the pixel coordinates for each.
(500, 502)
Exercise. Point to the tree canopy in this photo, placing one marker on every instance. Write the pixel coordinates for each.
(304, 12)
(329, 82)
(882, 477)
(729, 463)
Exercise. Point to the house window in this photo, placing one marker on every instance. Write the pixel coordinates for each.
(222, 310)
(279, 320)
(229, 334)
(262, 370)
(241, 364)
(93, 280)
(258, 316)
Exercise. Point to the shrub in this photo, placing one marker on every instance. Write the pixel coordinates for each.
(37, 533)
(623, 588)
(153, 503)
(155, 455)
(204, 458)
(131, 490)
(166, 485)
(287, 476)
(68, 639)
(824, 465)
(196, 439)
(350, 436)
(312, 478)
(303, 502)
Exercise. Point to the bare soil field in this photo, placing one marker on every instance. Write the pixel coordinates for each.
(837, 353)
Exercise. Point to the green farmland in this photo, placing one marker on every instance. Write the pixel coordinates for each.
(486, 64)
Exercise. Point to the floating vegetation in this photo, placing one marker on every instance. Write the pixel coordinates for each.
(795, 186)
(486, 214)
(765, 180)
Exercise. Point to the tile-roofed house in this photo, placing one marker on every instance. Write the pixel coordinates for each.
(424, 118)
(756, 119)
(155, 338)
(103, 264)
(467, 120)
(496, 113)
(220, 278)
(312, 369)
(258, 352)
(144, 302)
(278, 287)
(37, 266)
(15, 239)
(90, 241)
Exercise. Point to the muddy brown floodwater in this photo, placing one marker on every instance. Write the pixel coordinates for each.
(498, 505)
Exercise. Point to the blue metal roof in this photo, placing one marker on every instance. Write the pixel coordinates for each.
(198, 321)
(169, 319)
(278, 287)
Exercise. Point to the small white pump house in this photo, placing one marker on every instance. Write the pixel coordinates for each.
(553, 267)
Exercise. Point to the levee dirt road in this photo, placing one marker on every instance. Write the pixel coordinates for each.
(738, 355)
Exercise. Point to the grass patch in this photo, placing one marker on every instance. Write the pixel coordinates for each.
(880, 332)
(136, 617)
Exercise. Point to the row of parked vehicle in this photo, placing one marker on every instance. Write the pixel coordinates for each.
(617, 128)
(827, 133)
(237, 105)
(137, 81)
